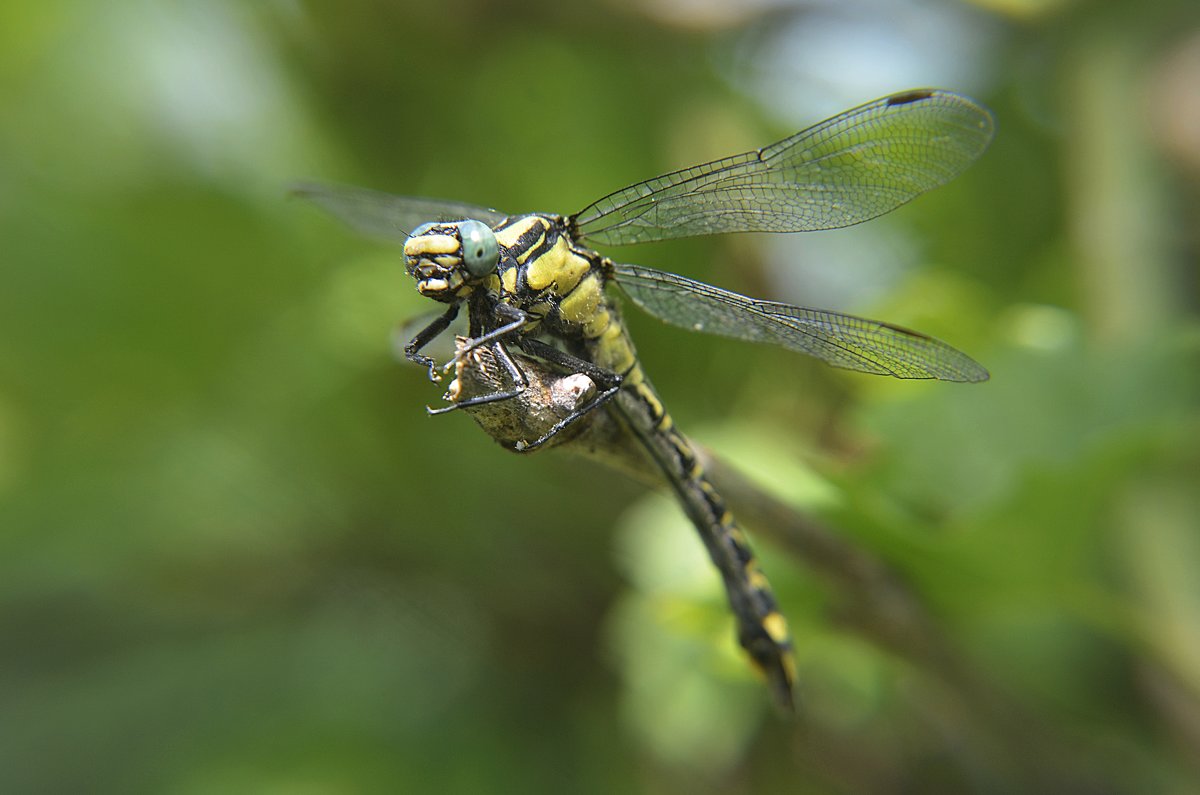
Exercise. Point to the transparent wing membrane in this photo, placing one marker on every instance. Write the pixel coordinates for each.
(846, 341)
(385, 216)
(858, 165)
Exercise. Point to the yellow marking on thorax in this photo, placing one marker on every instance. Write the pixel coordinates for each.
(523, 257)
(509, 281)
(559, 268)
(431, 245)
(579, 306)
(508, 236)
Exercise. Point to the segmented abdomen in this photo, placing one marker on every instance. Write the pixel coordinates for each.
(762, 629)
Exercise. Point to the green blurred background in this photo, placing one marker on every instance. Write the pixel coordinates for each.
(236, 556)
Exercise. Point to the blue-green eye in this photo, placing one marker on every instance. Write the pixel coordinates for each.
(480, 251)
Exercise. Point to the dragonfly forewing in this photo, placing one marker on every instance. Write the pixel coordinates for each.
(856, 166)
(388, 217)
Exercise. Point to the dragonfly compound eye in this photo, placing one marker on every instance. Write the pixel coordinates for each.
(420, 230)
(480, 251)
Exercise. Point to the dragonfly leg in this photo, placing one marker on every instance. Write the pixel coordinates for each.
(515, 318)
(512, 319)
(607, 381)
(423, 337)
(515, 373)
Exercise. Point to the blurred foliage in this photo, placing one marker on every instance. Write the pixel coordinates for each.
(236, 556)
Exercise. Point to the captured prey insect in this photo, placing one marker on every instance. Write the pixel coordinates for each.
(529, 281)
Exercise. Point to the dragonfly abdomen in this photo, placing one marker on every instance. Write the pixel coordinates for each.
(762, 629)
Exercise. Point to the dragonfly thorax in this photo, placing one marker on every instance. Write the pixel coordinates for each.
(448, 259)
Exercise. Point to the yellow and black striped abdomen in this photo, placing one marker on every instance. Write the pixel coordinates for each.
(762, 629)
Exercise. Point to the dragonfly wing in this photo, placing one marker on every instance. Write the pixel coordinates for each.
(846, 341)
(385, 216)
(858, 165)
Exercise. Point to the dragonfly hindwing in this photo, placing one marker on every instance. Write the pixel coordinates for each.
(846, 341)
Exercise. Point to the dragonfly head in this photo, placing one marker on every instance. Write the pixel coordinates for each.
(447, 258)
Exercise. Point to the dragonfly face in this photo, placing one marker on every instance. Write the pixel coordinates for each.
(448, 259)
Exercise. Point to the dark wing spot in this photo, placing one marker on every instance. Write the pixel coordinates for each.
(909, 96)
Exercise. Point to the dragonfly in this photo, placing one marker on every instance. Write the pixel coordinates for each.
(535, 282)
